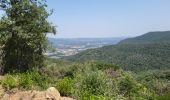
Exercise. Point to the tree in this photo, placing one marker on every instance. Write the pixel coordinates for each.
(23, 31)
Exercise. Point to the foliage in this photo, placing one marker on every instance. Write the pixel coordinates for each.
(134, 90)
(103, 65)
(157, 80)
(56, 68)
(23, 34)
(97, 80)
(65, 86)
(150, 37)
(136, 56)
(28, 80)
(10, 82)
(94, 84)
(89, 80)
(23, 41)
(165, 96)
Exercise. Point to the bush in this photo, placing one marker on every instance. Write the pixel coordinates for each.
(130, 88)
(10, 81)
(56, 68)
(165, 96)
(93, 84)
(28, 80)
(157, 80)
(65, 86)
(103, 65)
(34, 80)
(90, 81)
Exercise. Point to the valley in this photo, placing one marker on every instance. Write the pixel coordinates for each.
(66, 47)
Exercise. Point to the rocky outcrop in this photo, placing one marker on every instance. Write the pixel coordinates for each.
(50, 94)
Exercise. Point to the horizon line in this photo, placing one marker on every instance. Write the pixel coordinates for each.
(88, 37)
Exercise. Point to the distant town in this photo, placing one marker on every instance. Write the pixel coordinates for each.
(68, 47)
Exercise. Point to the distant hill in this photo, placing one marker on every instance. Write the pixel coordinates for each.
(149, 51)
(151, 37)
(60, 42)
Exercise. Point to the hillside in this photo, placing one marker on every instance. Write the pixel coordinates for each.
(149, 51)
(151, 37)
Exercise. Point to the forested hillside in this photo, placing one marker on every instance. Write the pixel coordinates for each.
(149, 51)
(151, 37)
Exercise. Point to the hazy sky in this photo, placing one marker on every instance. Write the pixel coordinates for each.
(109, 18)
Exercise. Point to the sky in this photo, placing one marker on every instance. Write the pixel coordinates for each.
(108, 18)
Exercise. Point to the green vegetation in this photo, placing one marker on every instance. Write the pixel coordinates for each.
(23, 31)
(151, 37)
(28, 80)
(157, 80)
(164, 97)
(135, 56)
(23, 41)
(146, 55)
(90, 80)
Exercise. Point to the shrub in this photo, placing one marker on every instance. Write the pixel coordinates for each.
(32, 80)
(28, 80)
(103, 65)
(93, 84)
(130, 88)
(65, 86)
(89, 81)
(165, 96)
(10, 81)
(160, 83)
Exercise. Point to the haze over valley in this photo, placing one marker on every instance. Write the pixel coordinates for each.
(62, 47)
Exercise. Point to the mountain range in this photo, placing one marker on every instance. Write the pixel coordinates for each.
(148, 51)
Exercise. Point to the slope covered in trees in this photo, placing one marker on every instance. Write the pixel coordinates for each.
(149, 51)
(151, 37)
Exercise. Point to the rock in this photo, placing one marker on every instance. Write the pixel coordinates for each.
(5, 97)
(1, 77)
(2, 91)
(50, 94)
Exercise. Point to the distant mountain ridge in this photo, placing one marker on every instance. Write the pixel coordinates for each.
(150, 37)
(148, 51)
(56, 42)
